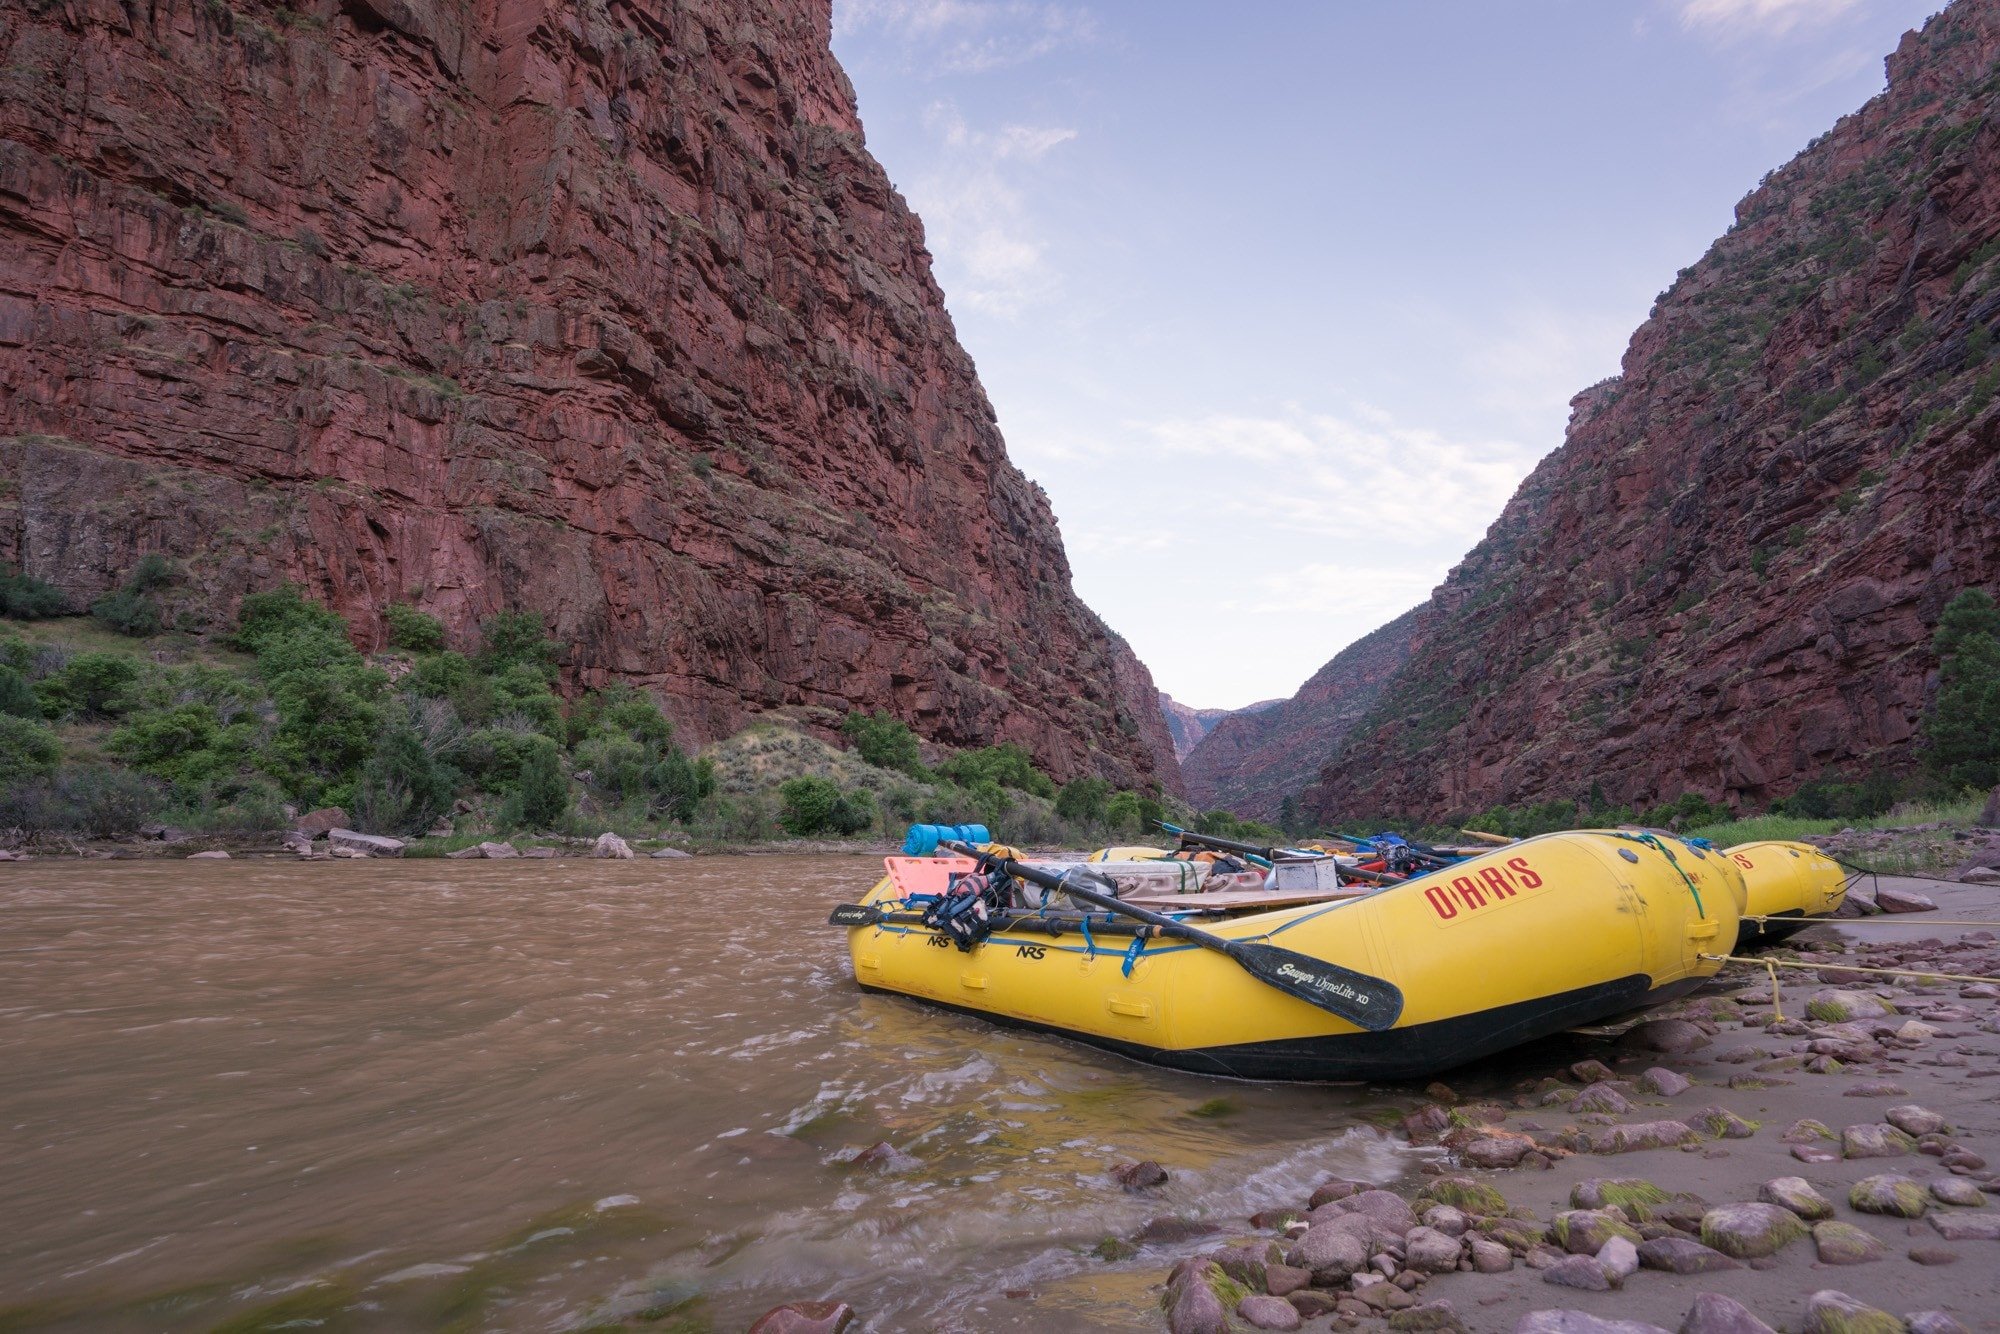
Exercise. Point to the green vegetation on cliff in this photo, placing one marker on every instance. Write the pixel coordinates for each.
(109, 722)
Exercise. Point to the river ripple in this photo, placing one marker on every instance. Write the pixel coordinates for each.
(535, 1095)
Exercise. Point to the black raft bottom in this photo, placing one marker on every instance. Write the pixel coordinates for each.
(1750, 935)
(1399, 1053)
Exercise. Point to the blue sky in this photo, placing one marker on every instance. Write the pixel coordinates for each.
(1279, 301)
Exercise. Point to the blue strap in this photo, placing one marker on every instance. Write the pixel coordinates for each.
(1132, 954)
(1089, 945)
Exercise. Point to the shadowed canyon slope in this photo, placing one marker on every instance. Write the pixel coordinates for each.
(1726, 578)
(1249, 762)
(597, 309)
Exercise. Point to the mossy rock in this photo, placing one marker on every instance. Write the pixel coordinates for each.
(1584, 1231)
(1897, 1196)
(1636, 1196)
(1113, 1249)
(1750, 1231)
(1474, 1197)
(1830, 1312)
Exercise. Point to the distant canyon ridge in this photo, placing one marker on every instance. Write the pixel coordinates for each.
(1726, 578)
(597, 309)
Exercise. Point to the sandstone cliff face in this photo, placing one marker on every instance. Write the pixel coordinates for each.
(589, 307)
(1250, 762)
(1726, 578)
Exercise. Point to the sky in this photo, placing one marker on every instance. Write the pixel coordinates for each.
(1280, 301)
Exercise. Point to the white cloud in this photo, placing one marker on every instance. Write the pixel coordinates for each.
(974, 203)
(1734, 18)
(968, 36)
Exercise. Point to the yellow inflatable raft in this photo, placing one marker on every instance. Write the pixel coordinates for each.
(1795, 881)
(1513, 945)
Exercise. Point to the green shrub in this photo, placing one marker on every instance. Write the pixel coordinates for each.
(90, 685)
(620, 710)
(96, 801)
(186, 744)
(412, 631)
(616, 764)
(132, 609)
(1082, 800)
(403, 788)
(1007, 765)
(809, 803)
(496, 757)
(1690, 810)
(1833, 799)
(281, 611)
(27, 748)
(854, 812)
(29, 599)
(520, 690)
(1963, 727)
(516, 639)
(680, 784)
(327, 724)
(17, 697)
(1133, 812)
(885, 742)
(541, 798)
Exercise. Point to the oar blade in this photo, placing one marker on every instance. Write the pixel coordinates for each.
(1372, 1003)
(854, 914)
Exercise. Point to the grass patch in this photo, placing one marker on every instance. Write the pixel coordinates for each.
(1788, 827)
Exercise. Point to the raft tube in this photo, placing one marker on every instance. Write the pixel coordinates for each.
(1792, 881)
(1513, 945)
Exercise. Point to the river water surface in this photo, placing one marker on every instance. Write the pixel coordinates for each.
(544, 1095)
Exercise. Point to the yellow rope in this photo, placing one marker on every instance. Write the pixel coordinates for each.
(1888, 919)
(1774, 964)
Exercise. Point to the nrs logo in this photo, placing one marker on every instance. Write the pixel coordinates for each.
(1488, 887)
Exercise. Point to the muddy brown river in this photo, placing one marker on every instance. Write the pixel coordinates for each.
(546, 1095)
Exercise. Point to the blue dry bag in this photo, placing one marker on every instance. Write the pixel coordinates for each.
(923, 839)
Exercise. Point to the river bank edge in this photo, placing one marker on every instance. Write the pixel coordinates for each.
(1823, 1164)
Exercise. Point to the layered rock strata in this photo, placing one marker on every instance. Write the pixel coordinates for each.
(600, 309)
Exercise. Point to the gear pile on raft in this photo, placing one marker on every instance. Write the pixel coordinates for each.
(1342, 959)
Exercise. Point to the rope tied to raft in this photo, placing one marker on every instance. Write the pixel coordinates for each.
(1890, 919)
(1772, 966)
(1653, 841)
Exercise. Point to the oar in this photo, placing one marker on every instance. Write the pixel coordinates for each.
(1372, 1003)
(1496, 839)
(1263, 856)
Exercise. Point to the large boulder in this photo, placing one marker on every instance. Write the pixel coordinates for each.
(1333, 1254)
(1874, 1141)
(1830, 1312)
(1579, 1322)
(364, 845)
(1833, 1005)
(1888, 1193)
(1671, 1036)
(1914, 1120)
(1678, 1255)
(1429, 1251)
(319, 823)
(1584, 1231)
(1983, 1226)
(1796, 1194)
(1192, 1300)
(1713, 1313)
(1892, 898)
(1846, 1244)
(609, 844)
(1643, 1135)
(1750, 1231)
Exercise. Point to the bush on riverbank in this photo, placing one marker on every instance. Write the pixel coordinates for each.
(105, 727)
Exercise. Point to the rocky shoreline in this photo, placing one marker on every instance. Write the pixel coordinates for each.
(1825, 1171)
